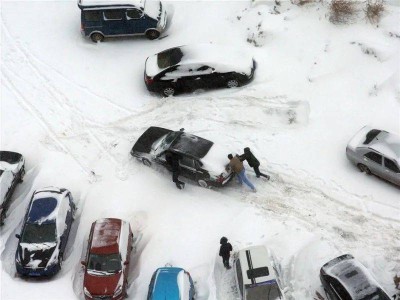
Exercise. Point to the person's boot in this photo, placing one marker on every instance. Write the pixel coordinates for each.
(178, 185)
(182, 184)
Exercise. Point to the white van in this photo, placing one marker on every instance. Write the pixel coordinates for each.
(257, 276)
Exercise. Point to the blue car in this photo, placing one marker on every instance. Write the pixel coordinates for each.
(45, 232)
(172, 284)
(100, 19)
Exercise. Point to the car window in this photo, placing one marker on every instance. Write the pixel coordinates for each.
(239, 276)
(133, 14)
(188, 162)
(339, 289)
(38, 234)
(92, 16)
(375, 157)
(391, 165)
(112, 15)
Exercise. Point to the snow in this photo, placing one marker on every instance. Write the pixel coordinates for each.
(7, 166)
(359, 137)
(138, 3)
(123, 240)
(74, 109)
(152, 8)
(215, 160)
(183, 285)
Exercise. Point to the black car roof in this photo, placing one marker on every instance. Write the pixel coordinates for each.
(191, 145)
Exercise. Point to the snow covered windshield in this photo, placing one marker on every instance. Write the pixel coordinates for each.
(261, 292)
(38, 234)
(165, 142)
(169, 58)
(108, 263)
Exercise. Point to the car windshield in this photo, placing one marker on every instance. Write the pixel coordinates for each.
(109, 263)
(371, 135)
(169, 58)
(39, 233)
(166, 142)
(263, 292)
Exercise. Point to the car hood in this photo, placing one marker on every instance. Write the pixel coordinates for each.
(36, 255)
(102, 284)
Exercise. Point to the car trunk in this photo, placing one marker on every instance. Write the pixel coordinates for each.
(146, 140)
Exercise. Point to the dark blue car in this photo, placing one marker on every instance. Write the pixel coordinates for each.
(45, 232)
(100, 19)
(172, 284)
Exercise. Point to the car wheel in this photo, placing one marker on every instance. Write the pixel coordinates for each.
(202, 183)
(364, 168)
(152, 34)
(232, 83)
(146, 162)
(97, 37)
(169, 91)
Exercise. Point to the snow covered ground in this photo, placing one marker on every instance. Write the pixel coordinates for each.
(74, 110)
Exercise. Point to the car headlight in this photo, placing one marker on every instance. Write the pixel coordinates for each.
(86, 292)
(118, 291)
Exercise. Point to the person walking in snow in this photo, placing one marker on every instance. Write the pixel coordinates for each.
(225, 252)
(173, 160)
(253, 162)
(237, 167)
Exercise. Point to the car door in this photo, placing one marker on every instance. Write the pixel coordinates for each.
(188, 167)
(160, 159)
(392, 171)
(135, 21)
(239, 277)
(114, 22)
(68, 224)
(373, 161)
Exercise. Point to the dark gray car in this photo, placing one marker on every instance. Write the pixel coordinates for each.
(376, 152)
(345, 278)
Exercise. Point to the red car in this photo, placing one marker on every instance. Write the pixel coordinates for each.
(107, 260)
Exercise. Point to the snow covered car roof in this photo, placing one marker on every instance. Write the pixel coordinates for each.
(171, 283)
(97, 3)
(222, 58)
(191, 145)
(354, 276)
(109, 236)
(379, 140)
(47, 207)
(256, 265)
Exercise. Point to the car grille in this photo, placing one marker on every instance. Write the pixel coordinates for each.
(102, 297)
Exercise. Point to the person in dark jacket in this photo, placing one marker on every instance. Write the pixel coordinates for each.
(225, 252)
(253, 162)
(173, 160)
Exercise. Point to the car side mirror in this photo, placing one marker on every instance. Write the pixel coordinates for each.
(126, 262)
(18, 236)
(83, 263)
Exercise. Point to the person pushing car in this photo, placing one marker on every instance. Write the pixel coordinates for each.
(253, 162)
(237, 166)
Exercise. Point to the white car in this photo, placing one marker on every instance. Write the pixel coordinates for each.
(11, 173)
(257, 274)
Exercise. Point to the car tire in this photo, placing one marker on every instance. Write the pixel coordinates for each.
(152, 34)
(232, 83)
(364, 168)
(97, 37)
(168, 91)
(202, 183)
(146, 162)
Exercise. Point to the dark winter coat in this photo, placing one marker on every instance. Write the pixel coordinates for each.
(250, 158)
(225, 249)
(173, 160)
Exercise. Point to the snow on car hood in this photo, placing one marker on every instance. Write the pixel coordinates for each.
(184, 285)
(215, 160)
(358, 138)
(7, 166)
(102, 284)
(37, 255)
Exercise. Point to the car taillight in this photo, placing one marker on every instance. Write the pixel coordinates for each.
(220, 179)
(148, 79)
